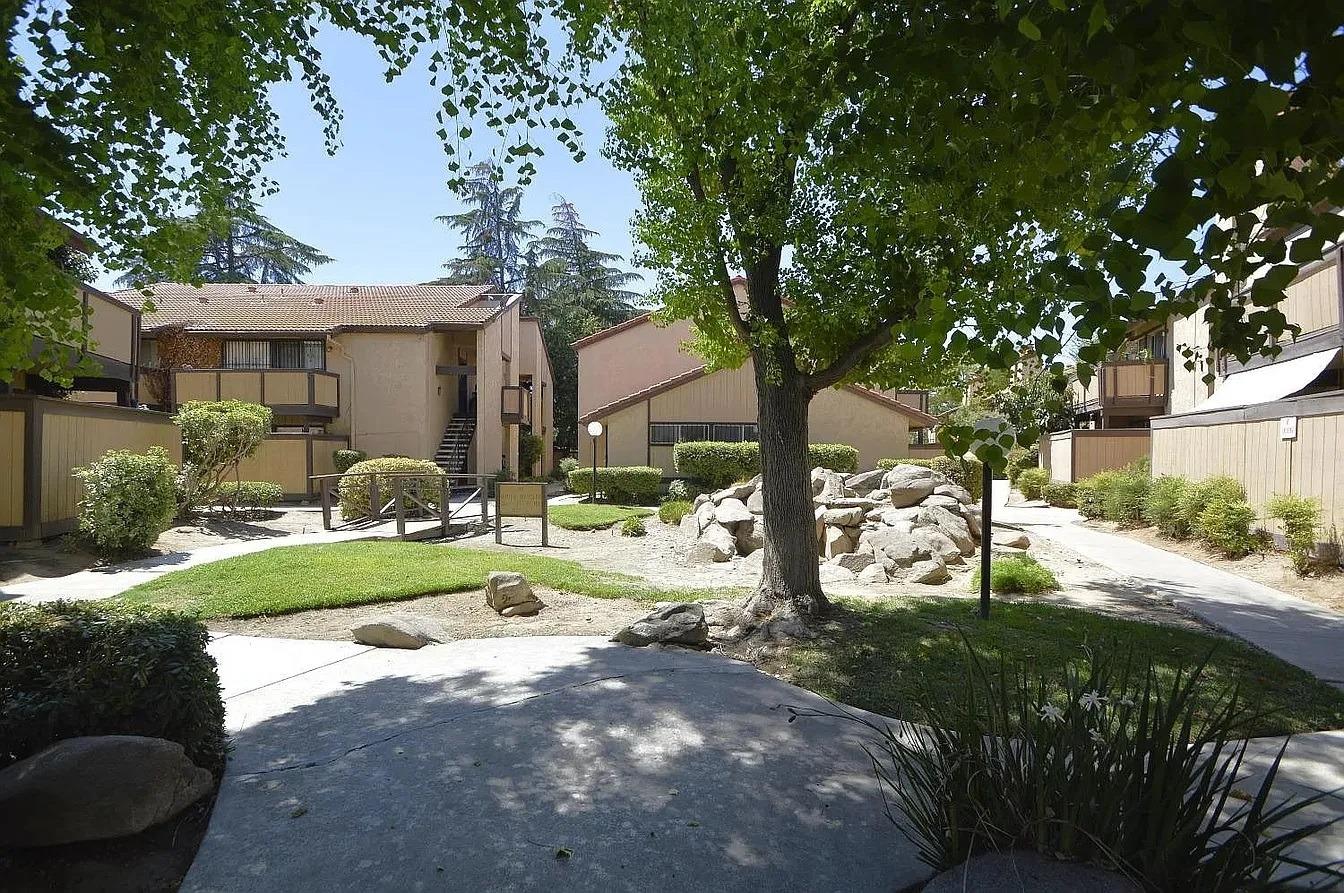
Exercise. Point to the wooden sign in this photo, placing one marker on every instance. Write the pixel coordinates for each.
(520, 500)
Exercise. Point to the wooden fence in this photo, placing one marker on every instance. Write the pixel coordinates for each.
(42, 441)
(291, 460)
(1073, 455)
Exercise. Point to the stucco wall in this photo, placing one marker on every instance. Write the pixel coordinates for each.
(112, 331)
(628, 361)
(532, 361)
(385, 392)
(488, 455)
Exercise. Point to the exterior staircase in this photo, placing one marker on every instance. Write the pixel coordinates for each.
(455, 445)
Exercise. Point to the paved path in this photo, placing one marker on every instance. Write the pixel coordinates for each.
(470, 765)
(1291, 628)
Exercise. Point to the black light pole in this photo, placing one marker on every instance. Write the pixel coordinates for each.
(594, 431)
(986, 509)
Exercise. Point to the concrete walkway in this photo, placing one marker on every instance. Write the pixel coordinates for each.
(1290, 628)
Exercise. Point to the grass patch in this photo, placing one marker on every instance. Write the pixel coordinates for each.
(888, 656)
(337, 575)
(582, 516)
(1017, 573)
(672, 511)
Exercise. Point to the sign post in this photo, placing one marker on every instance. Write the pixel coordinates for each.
(522, 499)
(987, 430)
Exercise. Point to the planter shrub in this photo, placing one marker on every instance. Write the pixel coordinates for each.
(683, 490)
(633, 527)
(966, 472)
(344, 460)
(1017, 573)
(529, 451)
(129, 499)
(103, 668)
(216, 436)
(1198, 495)
(1225, 526)
(1162, 506)
(715, 464)
(636, 484)
(354, 491)
(1089, 491)
(1123, 498)
(1300, 517)
(1060, 495)
(1031, 482)
(249, 494)
(1019, 460)
(673, 510)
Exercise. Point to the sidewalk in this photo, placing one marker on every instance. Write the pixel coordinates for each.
(1290, 628)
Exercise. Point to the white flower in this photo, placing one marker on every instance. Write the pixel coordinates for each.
(1050, 711)
(1091, 700)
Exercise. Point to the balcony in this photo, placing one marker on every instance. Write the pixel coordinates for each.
(1125, 387)
(298, 392)
(516, 405)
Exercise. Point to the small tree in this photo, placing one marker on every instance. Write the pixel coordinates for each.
(128, 500)
(216, 436)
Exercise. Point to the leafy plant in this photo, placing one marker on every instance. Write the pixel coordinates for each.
(529, 452)
(249, 494)
(620, 483)
(216, 436)
(717, 464)
(354, 487)
(106, 668)
(1162, 507)
(1089, 492)
(129, 499)
(682, 490)
(1060, 494)
(1225, 526)
(1300, 516)
(1017, 573)
(673, 510)
(1123, 496)
(1198, 495)
(633, 527)
(1031, 482)
(1020, 459)
(967, 471)
(342, 460)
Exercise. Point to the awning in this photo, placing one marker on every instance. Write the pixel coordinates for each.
(1268, 383)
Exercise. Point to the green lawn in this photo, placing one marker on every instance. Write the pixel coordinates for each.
(889, 655)
(297, 578)
(582, 516)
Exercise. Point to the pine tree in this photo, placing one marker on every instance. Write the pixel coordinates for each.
(493, 232)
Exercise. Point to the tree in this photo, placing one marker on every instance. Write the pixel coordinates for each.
(493, 231)
(216, 436)
(963, 177)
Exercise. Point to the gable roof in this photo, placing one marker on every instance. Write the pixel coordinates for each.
(612, 330)
(916, 417)
(242, 307)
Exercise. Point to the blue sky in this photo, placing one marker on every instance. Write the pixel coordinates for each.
(372, 205)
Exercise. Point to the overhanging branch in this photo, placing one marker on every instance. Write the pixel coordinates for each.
(862, 347)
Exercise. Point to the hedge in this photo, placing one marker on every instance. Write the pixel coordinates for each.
(249, 494)
(104, 668)
(1060, 495)
(716, 464)
(1020, 459)
(635, 484)
(129, 499)
(967, 472)
(354, 491)
(1031, 482)
(344, 460)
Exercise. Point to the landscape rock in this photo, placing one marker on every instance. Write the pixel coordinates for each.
(865, 481)
(836, 542)
(523, 610)
(505, 589)
(731, 511)
(671, 623)
(951, 525)
(704, 516)
(756, 502)
(736, 491)
(1012, 539)
(689, 526)
(843, 517)
(892, 548)
(827, 484)
(96, 787)
(854, 562)
(1018, 870)
(701, 500)
(400, 630)
(755, 562)
(942, 501)
(716, 544)
(895, 516)
(873, 573)
(834, 573)
(972, 515)
(931, 572)
(908, 484)
(750, 535)
(930, 542)
(956, 491)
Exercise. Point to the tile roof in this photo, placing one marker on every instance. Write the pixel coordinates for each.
(227, 307)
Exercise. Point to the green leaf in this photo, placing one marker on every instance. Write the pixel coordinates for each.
(1028, 28)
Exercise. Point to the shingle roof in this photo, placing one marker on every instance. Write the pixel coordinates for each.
(219, 307)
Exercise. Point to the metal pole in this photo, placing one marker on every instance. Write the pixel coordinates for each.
(986, 498)
(592, 497)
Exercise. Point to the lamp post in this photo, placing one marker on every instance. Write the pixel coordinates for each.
(594, 431)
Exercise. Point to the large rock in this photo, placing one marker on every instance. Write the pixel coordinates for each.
(673, 623)
(834, 573)
(865, 481)
(908, 484)
(930, 542)
(956, 491)
(1012, 539)
(892, 517)
(827, 484)
(736, 491)
(750, 535)
(836, 541)
(891, 548)
(951, 525)
(756, 502)
(506, 590)
(400, 630)
(704, 516)
(731, 511)
(689, 526)
(96, 787)
(946, 502)
(873, 573)
(1018, 870)
(716, 544)
(854, 562)
(972, 515)
(843, 517)
(931, 572)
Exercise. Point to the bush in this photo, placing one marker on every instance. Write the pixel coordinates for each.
(344, 460)
(715, 464)
(1088, 493)
(129, 499)
(249, 494)
(1020, 459)
(638, 484)
(633, 527)
(1031, 482)
(1123, 498)
(1162, 506)
(529, 451)
(1017, 573)
(967, 472)
(1060, 495)
(105, 668)
(1300, 517)
(1198, 495)
(564, 467)
(1225, 526)
(354, 491)
(683, 490)
(216, 436)
(673, 510)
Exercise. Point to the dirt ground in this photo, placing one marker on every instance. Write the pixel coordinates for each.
(19, 564)
(1272, 568)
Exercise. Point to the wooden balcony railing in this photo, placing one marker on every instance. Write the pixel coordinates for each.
(516, 405)
(1119, 384)
(286, 391)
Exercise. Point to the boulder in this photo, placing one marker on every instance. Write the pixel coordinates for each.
(731, 511)
(843, 517)
(400, 630)
(715, 544)
(891, 517)
(930, 542)
(508, 589)
(827, 484)
(834, 573)
(854, 562)
(1012, 539)
(956, 491)
(873, 573)
(1017, 870)
(908, 484)
(891, 548)
(701, 500)
(736, 491)
(836, 541)
(750, 536)
(931, 572)
(704, 516)
(865, 481)
(756, 502)
(946, 502)
(96, 787)
(819, 513)
(522, 610)
(753, 563)
(689, 526)
(952, 525)
(671, 623)
(972, 515)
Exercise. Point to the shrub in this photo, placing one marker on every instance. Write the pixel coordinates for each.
(1300, 517)
(216, 436)
(105, 668)
(682, 490)
(966, 472)
(1017, 573)
(1088, 775)
(354, 490)
(717, 464)
(1031, 482)
(1060, 495)
(673, 510)
(564, 467)
(633, 527)
(1198, 495)
(1124, 496)
(1225, 526)
(529, 451)
(249, 494)
(1088, 493)
(1162, 506)
(129, 499)
(1020, 459)
(638, 484)
(344, 460)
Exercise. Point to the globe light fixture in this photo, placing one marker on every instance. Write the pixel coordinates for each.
(594, 431)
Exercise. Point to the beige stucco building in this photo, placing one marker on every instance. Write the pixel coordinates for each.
(650, 392)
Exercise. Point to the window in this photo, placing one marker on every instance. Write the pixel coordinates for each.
(275, 355)
(726, 433)
(663, 434)
(668, 433)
